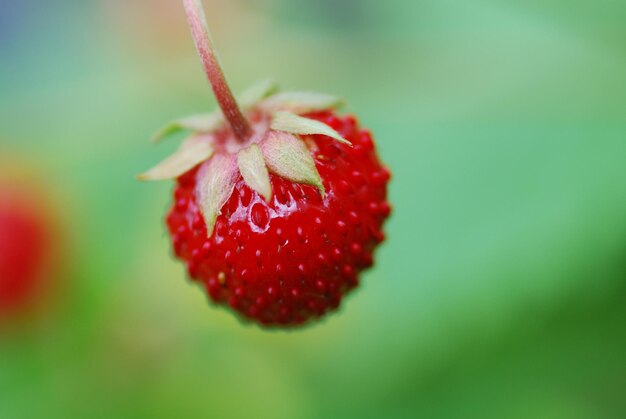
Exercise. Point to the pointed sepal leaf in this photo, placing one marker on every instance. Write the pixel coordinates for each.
(257, 93)
(209, 122)
(295, 124)
(288, 156)
(301, 102)
(191, 152)
(216, 182)
(254, 171)
(204, 123)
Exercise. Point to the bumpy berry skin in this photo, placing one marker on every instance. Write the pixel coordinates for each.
(292, 260)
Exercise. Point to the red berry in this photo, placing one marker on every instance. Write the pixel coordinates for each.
(279, 204)
(25, 251)
(295, 244)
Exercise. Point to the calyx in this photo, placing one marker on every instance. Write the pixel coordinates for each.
(276, 146)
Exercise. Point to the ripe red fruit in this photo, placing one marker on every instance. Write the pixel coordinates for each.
(25, 247)
(277, 212)
(295, 257)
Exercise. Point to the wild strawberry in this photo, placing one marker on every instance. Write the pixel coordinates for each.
(279, 203)
(25, 250)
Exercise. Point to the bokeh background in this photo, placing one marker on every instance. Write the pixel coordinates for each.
(500, 293)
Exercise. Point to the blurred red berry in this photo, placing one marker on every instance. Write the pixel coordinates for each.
(25, 250)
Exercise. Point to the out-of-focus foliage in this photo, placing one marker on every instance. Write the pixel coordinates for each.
(500, 292)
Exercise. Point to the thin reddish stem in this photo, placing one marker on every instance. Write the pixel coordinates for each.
(206, 50)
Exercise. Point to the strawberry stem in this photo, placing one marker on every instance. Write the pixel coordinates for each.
(208, 55)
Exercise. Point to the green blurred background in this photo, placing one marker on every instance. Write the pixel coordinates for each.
(500, 292)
